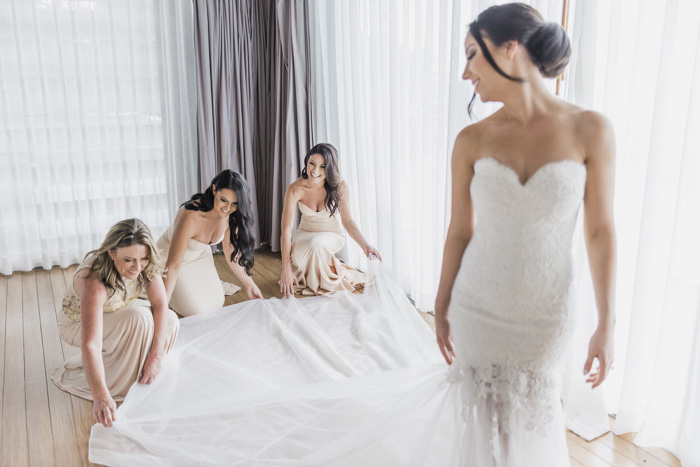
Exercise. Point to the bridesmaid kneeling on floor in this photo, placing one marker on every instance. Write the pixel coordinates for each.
(221, 213)
(123, 338)
(321, 195)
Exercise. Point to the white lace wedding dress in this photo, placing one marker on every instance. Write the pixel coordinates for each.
(357, 380)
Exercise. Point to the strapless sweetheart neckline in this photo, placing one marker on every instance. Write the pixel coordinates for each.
(312, 210)
(541, 168)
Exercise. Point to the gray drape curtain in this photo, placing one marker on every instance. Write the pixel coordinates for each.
(252, 92)
(285, 135)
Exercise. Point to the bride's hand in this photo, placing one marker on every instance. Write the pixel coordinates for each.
(444, 337)
(370, 250)
(602, 348)
(287, 282)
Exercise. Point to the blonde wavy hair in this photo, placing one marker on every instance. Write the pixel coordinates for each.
(126, 233)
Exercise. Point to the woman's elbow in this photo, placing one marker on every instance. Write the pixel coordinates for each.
(461, 236)
(173, 267)
(286, 235)
(349, 226)
(604, 232)
(91, 347)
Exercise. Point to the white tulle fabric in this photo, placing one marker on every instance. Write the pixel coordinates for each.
(357, 380)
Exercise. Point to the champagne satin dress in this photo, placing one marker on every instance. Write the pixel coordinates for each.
(319, 237)
(198, 288)
(128, 329)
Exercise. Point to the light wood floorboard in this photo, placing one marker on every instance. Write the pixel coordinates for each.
(39, 435)
(65, 438)
(44, 426)
(3, 315)
(14, 408)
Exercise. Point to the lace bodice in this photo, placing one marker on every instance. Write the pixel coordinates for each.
(511, 307)
(120, 299)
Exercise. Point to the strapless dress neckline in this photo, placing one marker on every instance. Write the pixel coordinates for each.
(312, 210)
(541, 169)
(210, 244)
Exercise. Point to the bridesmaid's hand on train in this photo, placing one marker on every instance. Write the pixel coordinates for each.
(287, 282)
(253, 291)
(601, 348)
(444, 337)
(150, 369)
(104, 409)
(370, 250)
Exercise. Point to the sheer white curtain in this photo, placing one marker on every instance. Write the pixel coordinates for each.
(387, 92)
(97, 105)
(638, 61)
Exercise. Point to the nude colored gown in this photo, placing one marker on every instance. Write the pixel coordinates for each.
(198, 288)
(128, 329)
(318, 238)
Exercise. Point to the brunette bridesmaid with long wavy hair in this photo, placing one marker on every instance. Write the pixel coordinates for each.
(309, 264)
(221, 214)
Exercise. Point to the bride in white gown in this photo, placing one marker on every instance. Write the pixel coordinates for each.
(356, 380)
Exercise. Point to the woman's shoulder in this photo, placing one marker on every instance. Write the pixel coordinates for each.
(591, 121)
(86, 281)
(584, 119)
(187, 218)
(472, 136)
(594, 130)
(468, 142)
(296, 188)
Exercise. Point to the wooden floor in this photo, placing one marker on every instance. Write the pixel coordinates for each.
(44, 426)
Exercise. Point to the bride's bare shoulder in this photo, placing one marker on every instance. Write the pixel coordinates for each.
(594, 129)
(468, 143)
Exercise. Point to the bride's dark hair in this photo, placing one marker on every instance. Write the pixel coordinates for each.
(332, 182)
(240, 222)
(546, 42)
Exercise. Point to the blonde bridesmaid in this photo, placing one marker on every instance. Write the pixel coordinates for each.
(123, 336)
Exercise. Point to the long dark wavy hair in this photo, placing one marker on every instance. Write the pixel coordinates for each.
(240, 222)
(546, 43)
(332, 182)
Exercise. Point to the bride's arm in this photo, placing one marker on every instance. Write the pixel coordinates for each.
(459, 233)
(349, 224)
(599, 231)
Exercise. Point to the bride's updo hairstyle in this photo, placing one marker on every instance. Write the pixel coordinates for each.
(546, 42)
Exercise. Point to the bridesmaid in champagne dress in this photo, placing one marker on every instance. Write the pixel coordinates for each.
(221, 214)
(309, 264)
(123, 336)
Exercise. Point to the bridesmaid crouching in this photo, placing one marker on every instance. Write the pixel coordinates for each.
(222, 214)
(309, 264)
(122, 337)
